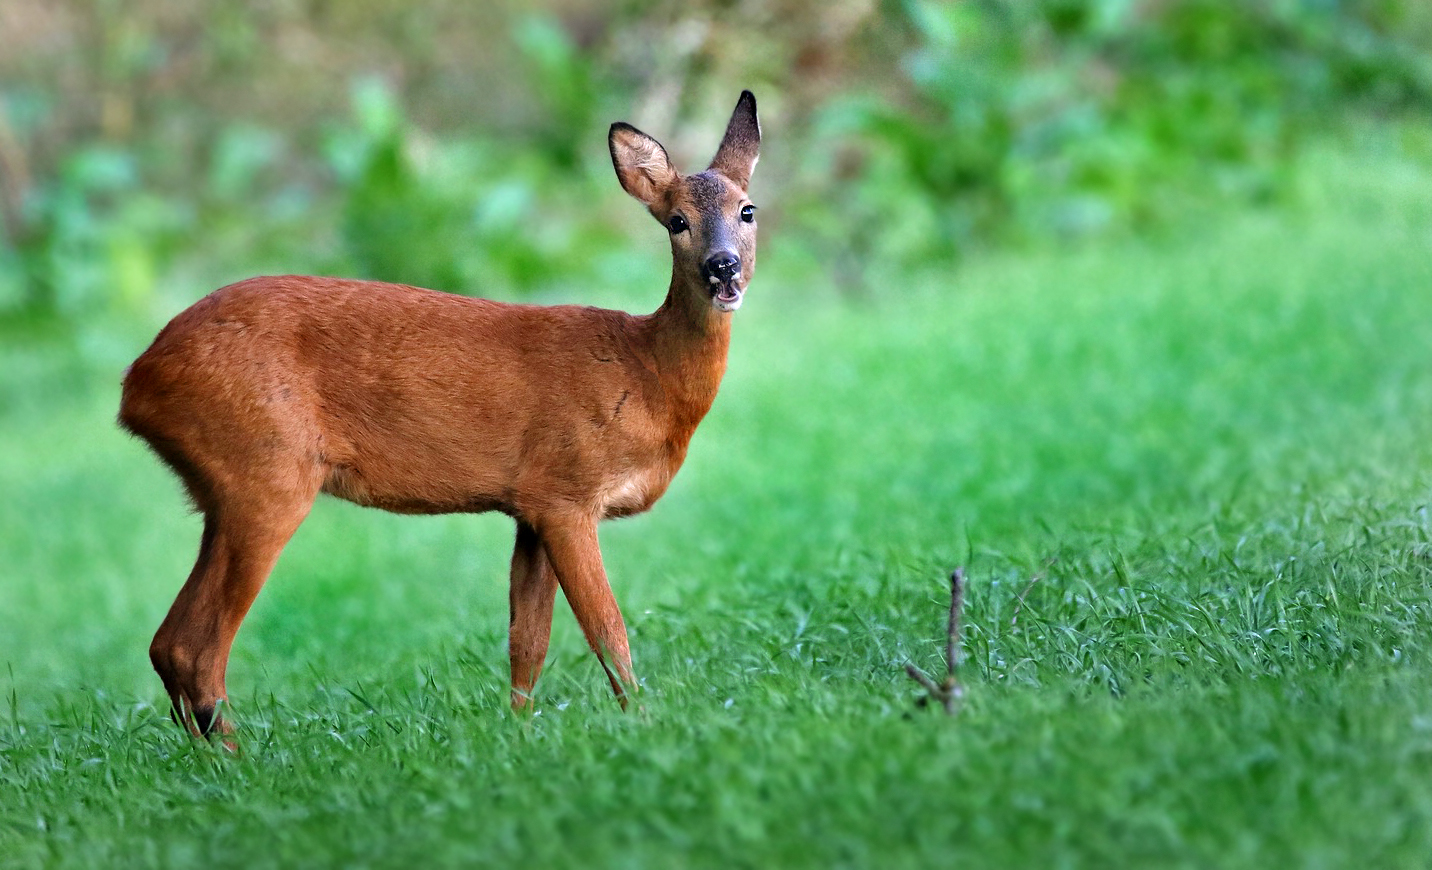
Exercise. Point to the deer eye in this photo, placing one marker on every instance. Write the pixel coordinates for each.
(678, 224)
(748, 213)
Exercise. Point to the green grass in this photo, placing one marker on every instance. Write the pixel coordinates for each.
(1213, 450)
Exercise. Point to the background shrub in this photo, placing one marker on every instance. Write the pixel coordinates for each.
(457, 145)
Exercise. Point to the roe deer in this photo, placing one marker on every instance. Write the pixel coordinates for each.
(269, 391)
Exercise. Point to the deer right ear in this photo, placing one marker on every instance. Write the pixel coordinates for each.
(641, 163)
(741, 146)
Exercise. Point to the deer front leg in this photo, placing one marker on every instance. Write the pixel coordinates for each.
(534, 586)
(571, 545)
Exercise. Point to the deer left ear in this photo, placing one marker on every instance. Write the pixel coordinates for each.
(641, 164)
(741, 146)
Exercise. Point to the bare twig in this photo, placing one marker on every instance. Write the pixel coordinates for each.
(957, 609)
(919, 676)
(1019, 604)
(948, 692)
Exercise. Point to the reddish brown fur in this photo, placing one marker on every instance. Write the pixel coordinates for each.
(269, 391)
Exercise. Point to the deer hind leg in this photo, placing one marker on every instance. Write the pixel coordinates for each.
(241, 542)
(572, 547)
(534, 586)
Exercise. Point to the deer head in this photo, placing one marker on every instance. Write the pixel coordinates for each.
(711, 220)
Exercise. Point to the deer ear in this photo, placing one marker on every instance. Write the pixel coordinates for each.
(741, 146)
(641, 163)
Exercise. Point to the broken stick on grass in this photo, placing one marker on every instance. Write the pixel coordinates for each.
(1019, 604)
(948, 692)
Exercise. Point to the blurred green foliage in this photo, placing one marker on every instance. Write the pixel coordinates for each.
(1066, 117)
(409, 214)
(459, 147)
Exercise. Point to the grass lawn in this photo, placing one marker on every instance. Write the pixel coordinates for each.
(1189, 478)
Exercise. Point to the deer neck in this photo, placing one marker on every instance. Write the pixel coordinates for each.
(688, 340)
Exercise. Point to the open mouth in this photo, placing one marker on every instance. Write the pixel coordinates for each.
(725, 295)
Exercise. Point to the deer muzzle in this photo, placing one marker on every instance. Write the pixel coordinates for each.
(722, 272)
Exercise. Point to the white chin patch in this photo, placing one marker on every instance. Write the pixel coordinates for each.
(728, 305)
(727, 297)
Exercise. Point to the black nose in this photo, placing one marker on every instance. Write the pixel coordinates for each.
(723, 266)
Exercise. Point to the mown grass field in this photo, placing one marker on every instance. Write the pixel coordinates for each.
(1212, 449)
